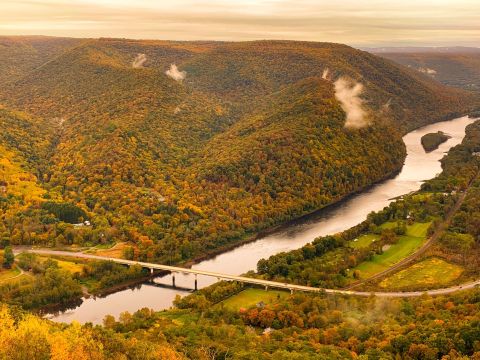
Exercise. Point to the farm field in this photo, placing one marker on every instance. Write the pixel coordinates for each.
(433, 271)
(251, 296)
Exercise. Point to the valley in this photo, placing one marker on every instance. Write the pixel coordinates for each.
(136, 176)
(418, 166)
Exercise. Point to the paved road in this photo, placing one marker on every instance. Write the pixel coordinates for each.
(435, 236)
(266, 283)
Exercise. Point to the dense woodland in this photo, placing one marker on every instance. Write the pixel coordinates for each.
(432, 141)
(250, 135)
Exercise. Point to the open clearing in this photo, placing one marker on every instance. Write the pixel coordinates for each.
(433, 271)
(70, 266)
(115, 251)
(251, 296)
(363, 241)
(417, 229)
(405, 246)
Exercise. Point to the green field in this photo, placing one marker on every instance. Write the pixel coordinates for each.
(251, 296)
(433, 271)
(405, 246)
(179, 316)
(416, 229)
(422, 196)
(363, 241)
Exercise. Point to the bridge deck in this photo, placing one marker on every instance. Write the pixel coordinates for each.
(261, 282)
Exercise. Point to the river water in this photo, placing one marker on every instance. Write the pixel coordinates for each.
(159, 294)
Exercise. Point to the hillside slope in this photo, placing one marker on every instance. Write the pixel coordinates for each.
(22, 54)
(183, 147)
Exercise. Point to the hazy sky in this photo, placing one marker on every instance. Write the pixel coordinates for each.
(355, 22)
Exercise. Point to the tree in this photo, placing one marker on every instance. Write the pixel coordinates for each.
(8, 257)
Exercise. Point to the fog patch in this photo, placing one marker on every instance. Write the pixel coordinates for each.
(176, 74)
(326, 74)
(348, 92)
(139, 61)
(427, 71)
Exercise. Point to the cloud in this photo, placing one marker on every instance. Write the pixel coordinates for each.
(139, 60)
(348, 93)
(350, 21)
(175, 74)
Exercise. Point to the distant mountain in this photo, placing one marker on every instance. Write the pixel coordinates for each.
(184, 147)
(455, 66)
(424, 49)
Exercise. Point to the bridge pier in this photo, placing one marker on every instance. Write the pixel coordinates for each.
(291, 291)
(173, 279)
(196, 287)
(266, 287)
(151, 270)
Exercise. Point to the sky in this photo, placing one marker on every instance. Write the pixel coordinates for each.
(353, 22)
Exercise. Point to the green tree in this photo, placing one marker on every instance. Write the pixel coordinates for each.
(8, 257)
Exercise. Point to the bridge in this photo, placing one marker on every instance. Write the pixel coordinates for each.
(247, 280)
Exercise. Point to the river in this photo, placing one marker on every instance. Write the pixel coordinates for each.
(419, 166)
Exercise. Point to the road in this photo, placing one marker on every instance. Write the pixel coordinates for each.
(261, 282)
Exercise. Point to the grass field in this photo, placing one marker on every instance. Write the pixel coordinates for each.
(433, 271)
(422, 196)
(363, 241)
(416, 229)
(405, 246)
(252, 296)
(178, 316)
(8, 274)
(71, 266)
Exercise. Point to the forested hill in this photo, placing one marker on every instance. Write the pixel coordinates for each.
(182, 147)
(21, 54)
